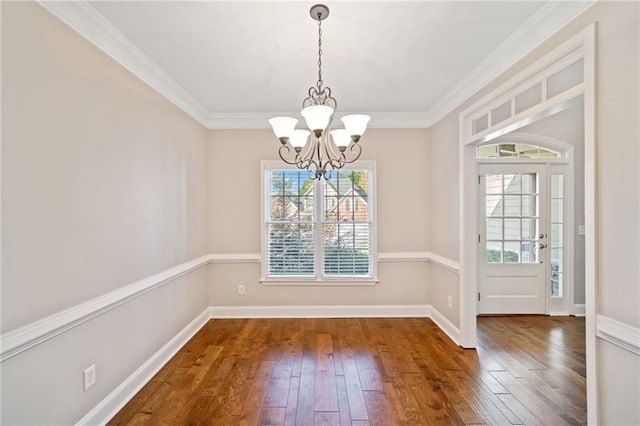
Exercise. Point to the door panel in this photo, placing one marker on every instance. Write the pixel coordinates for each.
(512, 206)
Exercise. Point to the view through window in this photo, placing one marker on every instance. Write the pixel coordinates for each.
(318, 229)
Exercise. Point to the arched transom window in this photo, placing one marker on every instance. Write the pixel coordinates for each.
(515, 150)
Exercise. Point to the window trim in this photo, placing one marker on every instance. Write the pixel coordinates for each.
(318, 278)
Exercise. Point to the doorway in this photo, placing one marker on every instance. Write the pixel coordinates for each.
(513, 230)
(479, 124)
(525, 226)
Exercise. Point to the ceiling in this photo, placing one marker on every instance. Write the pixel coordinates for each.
(237, 63)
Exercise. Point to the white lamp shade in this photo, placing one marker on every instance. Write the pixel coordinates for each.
(317, 116)
(341, 137)
(355, 124)
(299, 138)
(283, 126)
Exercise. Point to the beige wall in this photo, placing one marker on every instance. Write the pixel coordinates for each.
(444, 192)
(234, 211)
(618, 203)
(103, 184)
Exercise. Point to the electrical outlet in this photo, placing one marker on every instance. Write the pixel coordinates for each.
(449, 302)
(241, 290)
(89, 376)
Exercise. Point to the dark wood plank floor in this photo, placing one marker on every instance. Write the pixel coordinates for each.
(398, 371)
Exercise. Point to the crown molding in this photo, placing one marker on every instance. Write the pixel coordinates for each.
(542, 25)
(94, 27)
(379, 120)
(90, 24)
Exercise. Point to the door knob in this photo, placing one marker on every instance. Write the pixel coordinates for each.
(542, 246)
(540, 236)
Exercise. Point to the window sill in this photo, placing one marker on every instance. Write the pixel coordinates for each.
(302, 282)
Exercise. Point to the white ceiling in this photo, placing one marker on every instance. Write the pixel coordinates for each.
(236, 63)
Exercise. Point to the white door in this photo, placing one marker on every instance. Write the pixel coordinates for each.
(513, 229)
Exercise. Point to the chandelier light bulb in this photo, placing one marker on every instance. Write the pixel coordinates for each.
(317, 117)
(283, 126)
(356, 124)
(299, 138)
(341, 138)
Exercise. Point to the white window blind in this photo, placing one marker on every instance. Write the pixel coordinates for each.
(290, 227)
(346, 239)
(318, 229)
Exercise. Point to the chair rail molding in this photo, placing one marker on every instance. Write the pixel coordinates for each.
(16, 341)
(19, 340)
(618, 333)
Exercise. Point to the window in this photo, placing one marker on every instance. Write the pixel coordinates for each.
(512, 217)
(514, 150)
(318, 230)
(556, 243)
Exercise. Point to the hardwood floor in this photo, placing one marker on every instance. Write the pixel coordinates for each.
(387, 371)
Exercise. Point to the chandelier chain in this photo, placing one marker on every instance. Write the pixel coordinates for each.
(320, 82)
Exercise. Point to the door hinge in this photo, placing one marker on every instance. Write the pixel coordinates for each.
(478, 296)
(478, 237)
(478, 179)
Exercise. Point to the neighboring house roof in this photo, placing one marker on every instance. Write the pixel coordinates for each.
(343, 187)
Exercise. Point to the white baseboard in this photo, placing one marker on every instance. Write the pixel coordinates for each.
(445, 325)
(558, 314)
(320, 311)
(109, 407)
(579, 310)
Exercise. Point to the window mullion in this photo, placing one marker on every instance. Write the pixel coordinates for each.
(318, 220)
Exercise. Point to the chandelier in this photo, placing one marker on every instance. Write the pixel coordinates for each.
(319, 149)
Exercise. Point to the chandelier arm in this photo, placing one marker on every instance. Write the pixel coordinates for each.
(288, 150)
(307, 151)
(332, 156)
(305, 159)
(310, 155)
(357, 149)
(306, 165)
(318, 147)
